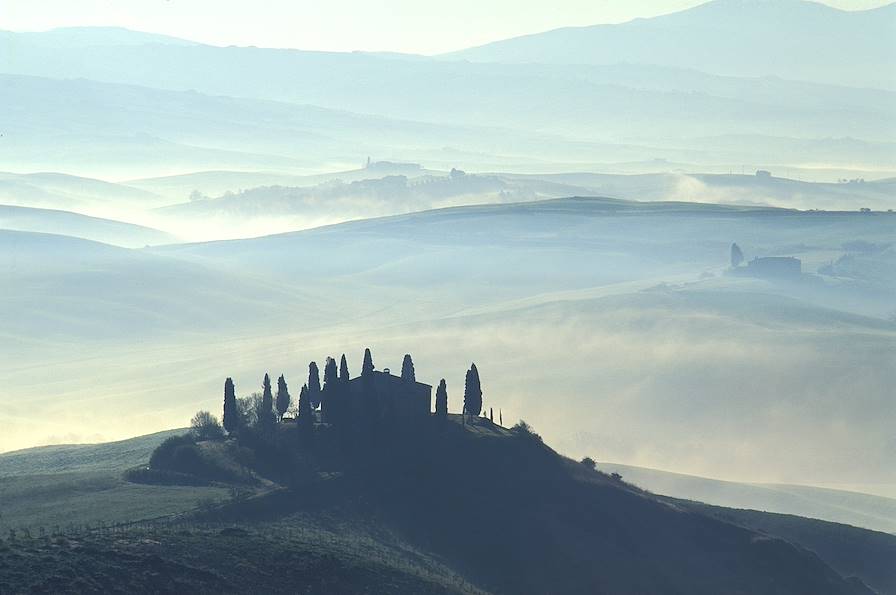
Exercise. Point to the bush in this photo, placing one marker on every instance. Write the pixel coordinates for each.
(205, 426)
(174, 452)
(525, 430)
(210, 461)
(589, 463)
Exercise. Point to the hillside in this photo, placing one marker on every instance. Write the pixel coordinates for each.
(129, 291)
(583, 114)
(787, 38)
(67, 458)
(861, 510)
(80, 226)
(354, 195)
(854, 552)
(62, 191)
(522, 520)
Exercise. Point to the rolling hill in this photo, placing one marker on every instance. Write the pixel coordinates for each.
(588, 532)
(80, 226)
(56, 190)
(877, 513)
(787, 38)
(490, 120)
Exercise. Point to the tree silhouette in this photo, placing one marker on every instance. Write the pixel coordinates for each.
(737, 256)
(231, 412)
(330, 374)
(491, 415)
(267, 400)
(205, 426)
(314, 385)
(283, 398)
(442, 399)
(367, 367)
(472, 392)
(407, 369)
(306, 413)
(330, 390)
(343, 370)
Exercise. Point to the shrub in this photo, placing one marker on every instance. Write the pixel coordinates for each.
(175, 453)
(616, 477)
(589, 463)
(525, 430)
(205, 426)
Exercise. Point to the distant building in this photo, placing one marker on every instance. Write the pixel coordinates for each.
(775, 266)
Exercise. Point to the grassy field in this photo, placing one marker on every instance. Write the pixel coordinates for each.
(300, 555)
(57, 487)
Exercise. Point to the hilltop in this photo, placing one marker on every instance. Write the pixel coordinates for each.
(470, 508)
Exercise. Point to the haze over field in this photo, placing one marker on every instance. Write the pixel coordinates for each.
(558, 206)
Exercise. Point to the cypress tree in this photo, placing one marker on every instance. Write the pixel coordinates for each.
(329, 397)
(369, 398)
(442, 399)
(343, 370)
(267, 399)
(472, 392)
(306, 413)
(231, 413)
(367, 367)
(501, 417)
(330, 374)
(314, 385)
(491, 415)
(283, 398)
(407, 369)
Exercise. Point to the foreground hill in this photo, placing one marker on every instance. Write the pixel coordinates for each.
(396, 519)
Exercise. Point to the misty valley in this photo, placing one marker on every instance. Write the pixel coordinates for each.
(605, 308)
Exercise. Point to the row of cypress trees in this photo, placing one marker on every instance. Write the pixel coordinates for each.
(312, 395)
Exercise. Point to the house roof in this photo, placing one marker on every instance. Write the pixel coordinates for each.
(389, 377)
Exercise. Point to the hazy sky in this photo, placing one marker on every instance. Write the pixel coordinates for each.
(418, 26)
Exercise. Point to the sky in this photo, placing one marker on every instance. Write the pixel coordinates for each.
(412, 26)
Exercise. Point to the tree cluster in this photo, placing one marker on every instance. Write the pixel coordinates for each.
(336, 400)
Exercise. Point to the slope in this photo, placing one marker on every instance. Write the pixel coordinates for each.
(81, 226)
(522, 519)
(631, 112)
(861, 510)
(787, 38)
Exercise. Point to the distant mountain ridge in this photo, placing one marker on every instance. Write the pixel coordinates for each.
(80, 37)
(789, 38)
